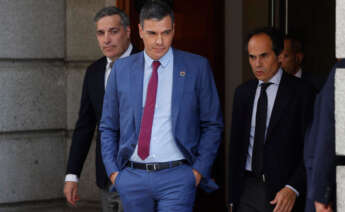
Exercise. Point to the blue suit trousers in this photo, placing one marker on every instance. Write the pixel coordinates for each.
(167, 190)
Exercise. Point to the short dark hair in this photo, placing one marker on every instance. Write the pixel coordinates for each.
(275, 35)
(155, 10)
(296, 43)
(109, 11)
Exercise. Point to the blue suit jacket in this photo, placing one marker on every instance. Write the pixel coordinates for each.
(196, 113)
(320, 146)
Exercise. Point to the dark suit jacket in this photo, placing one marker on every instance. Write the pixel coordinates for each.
(319, 154)
(283, 163)
(314, 80)
(90, 113)
(195, 113)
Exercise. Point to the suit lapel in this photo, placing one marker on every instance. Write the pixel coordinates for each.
(282, 101)
(134, 50)
(249, 97)
(179, 75)
(137, 78)
(100, 75)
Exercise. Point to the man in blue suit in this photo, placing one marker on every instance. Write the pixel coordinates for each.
(319, 148)
(161, 123)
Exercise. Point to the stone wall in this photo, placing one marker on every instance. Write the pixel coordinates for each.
(81, 50)
(340, 134)
(339, 102)
(340, 29)
(46, 46)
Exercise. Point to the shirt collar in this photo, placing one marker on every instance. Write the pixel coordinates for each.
(298, 73)
(108, 61)
(128, 51)
(163, 60)
(125, 54)
(276, 78)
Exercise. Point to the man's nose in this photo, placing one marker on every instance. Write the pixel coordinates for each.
(106, 37)
(281, 58)
(258, 62)
(159, 40)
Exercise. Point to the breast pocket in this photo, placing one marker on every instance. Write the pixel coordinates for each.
(190, 98)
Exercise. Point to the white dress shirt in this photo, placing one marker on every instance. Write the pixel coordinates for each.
(108, 68)
(298, 73)
(271, 96)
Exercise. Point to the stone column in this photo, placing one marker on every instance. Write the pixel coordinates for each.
(340, 29)
(32, 100)
(45, 47)
(81, 50)
(340, 102)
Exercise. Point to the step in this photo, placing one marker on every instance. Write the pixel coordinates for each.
(50, 206)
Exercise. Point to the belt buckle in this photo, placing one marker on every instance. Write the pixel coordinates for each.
(152, 166)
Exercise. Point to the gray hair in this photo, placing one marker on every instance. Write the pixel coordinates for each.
(109, 11)
(155, 10)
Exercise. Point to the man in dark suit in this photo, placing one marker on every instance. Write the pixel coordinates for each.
(320, 159)
(161, 124)
(292, 56)
(291, 61)
(270, 116)
(113, 35)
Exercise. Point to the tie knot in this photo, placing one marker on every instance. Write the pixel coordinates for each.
(265, 85)
(111, 65)
(155, 64)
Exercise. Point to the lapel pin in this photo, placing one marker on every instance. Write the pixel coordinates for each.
(182, 74)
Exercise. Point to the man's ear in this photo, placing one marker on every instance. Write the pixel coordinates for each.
(281, 56)
(299, 58)
(128, 31)
(141, 31)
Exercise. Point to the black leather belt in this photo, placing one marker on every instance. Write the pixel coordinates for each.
(260, 178)
(156, 166)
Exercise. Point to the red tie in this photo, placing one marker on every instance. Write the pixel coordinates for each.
(149, 110)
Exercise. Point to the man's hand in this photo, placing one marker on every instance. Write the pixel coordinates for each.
(113, 177)
(231, 207)
(71, 192)
(197, 176)
(284, 200)
(320, 207)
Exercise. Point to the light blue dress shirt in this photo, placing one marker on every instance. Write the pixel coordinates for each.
(163, 146)
(271, 92)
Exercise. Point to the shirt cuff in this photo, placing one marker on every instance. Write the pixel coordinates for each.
(292, 188)
(71, 178)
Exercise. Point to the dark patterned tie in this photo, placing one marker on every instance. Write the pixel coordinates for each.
(149, 110)
(260, 129)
